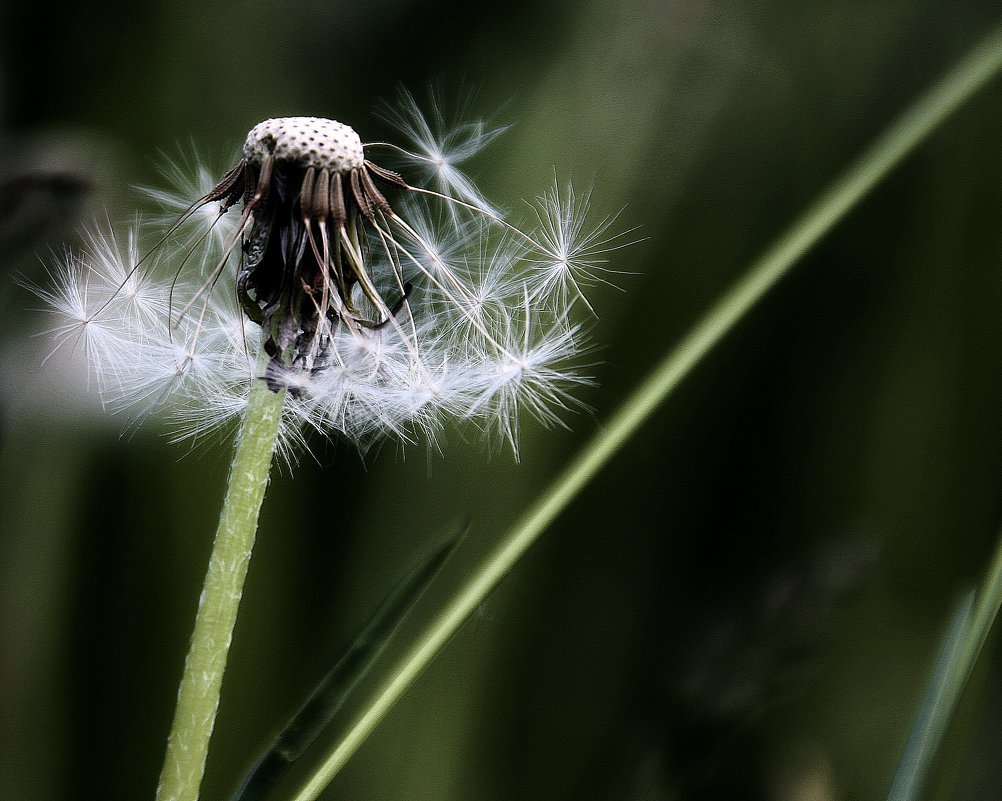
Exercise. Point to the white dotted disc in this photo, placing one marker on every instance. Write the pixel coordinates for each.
(307, 142)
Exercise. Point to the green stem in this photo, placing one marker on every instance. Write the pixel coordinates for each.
(954, 667)
(887, 152)
(198, 696)
(987, 603)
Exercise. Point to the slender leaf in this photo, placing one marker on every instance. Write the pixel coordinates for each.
(957, 658)
(935, 712)
(323, 704)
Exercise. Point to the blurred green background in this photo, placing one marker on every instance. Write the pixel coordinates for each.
(745, 604)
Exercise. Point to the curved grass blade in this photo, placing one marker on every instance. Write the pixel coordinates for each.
(324, 702)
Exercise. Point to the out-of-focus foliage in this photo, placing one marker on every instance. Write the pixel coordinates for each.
(747, 601)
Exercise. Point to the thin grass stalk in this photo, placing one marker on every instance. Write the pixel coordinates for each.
(935, 712)
(934, 107)
(954, 667)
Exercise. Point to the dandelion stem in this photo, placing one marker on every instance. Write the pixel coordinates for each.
(198, 695)
(911, 129)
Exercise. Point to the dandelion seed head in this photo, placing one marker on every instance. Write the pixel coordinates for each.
(307, 142)
(378, 307)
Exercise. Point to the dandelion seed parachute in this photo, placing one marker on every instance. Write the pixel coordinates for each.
(436, 148)
(383, 307)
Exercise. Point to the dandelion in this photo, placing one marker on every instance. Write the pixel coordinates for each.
(312, 289)
(381, 307)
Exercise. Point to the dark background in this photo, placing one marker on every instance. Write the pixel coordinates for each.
(744, 604)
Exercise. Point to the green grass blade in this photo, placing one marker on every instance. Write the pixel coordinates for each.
(323, 704)
(928, 112)
(956, 661)
(986, 609)
(934, 713)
